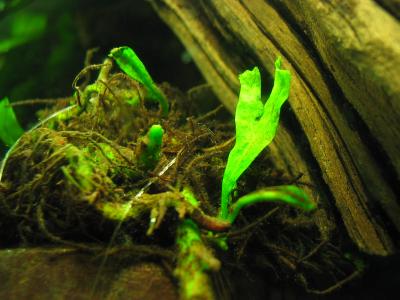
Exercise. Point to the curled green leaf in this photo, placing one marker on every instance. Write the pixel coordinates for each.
(130, 63)
(256, 125)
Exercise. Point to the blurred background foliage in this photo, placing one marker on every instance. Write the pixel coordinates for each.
(43, 44)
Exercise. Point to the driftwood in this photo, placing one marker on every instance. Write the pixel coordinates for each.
(61, 273)
(342, 129)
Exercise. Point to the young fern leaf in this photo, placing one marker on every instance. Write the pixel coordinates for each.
(10, 130)
(256, 125)
(130, 63)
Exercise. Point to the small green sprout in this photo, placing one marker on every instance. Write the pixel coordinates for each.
(10, 130)
(256, 126)
(149, 148)
(130, 63)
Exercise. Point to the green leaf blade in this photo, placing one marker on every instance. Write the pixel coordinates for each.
(256, 126)
(10, 130)
(131, 64)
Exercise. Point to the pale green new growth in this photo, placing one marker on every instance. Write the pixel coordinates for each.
(256, 125)
(130, 63)
(150, 148)
(10, 130)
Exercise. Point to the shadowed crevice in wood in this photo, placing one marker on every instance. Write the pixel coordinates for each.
(391, 6)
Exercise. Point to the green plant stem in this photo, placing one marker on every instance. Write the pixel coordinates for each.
(289, 194)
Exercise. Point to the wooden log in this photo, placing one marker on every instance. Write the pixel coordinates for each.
(342, 128)
(63, 273)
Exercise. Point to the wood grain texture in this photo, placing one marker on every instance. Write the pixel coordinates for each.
(342, 128)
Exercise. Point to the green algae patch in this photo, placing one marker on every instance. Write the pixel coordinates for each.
(195, 259)
(79, 171)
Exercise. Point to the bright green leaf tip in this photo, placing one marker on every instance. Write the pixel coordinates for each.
(131, 64)
(10, 130)
(278, 63)
(155, 135)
